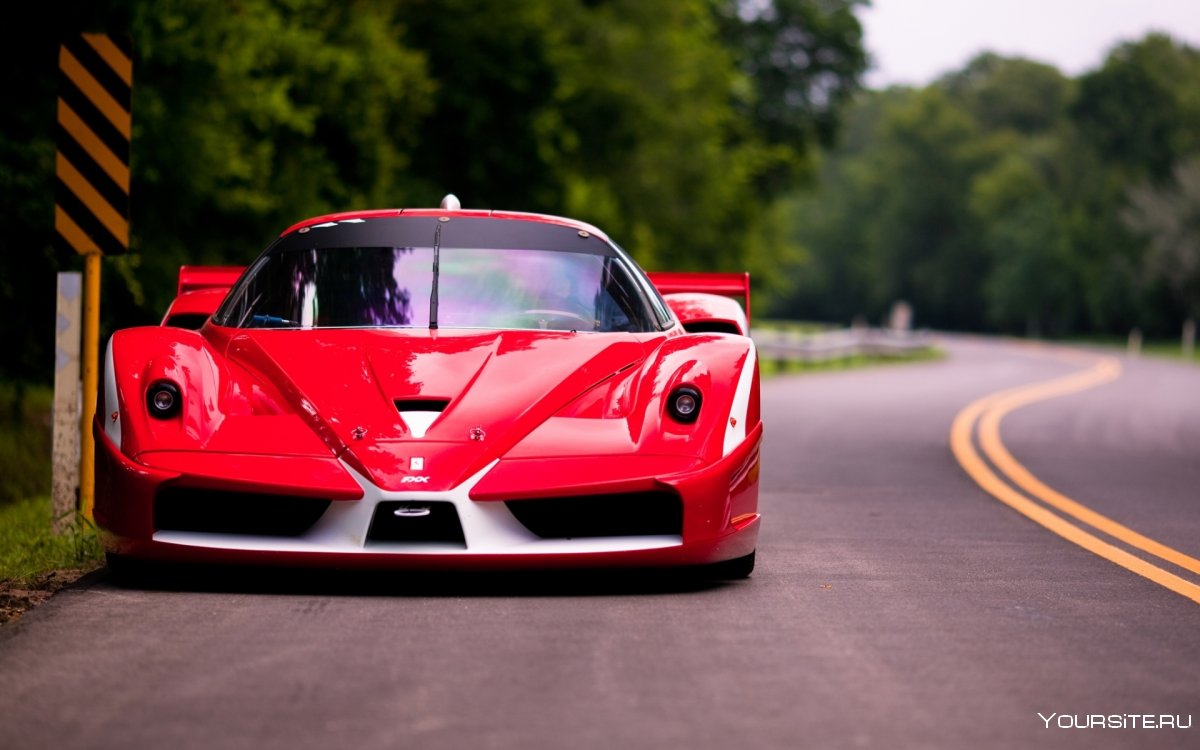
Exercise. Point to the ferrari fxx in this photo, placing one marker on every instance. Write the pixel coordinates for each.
(440, 389)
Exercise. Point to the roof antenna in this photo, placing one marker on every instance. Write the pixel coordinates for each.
(433, 292)
(451, 202)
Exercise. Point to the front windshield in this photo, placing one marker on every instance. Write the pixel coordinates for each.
(477, 288)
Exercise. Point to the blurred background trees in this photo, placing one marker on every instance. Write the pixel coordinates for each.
(700, 134)
(1007, 197)
(673, 124)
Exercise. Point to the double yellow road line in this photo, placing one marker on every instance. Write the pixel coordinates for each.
(1012, 484)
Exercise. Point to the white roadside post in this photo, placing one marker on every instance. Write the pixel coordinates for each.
(67, 399)
(1134, 347)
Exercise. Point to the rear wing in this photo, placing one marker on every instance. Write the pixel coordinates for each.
(195, 278)
(201, 291)
(723, 284)
(735, 285)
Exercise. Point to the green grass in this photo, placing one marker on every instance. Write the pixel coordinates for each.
(29, 547)
(25, 430)
(792, 326)
(769, 367)
(1171, 350)
(1163, 349)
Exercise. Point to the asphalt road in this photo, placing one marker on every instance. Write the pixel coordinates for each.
(896, 604)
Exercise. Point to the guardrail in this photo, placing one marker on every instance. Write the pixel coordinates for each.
(824, 346)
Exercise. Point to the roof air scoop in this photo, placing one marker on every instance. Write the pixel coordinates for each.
(420, 414)
(451, 202)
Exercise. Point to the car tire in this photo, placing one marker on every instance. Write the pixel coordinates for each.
(127, 570)
(735, 569)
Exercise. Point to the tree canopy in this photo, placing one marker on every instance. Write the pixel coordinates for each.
(700, 134)
(675, 125)
(1009, 197)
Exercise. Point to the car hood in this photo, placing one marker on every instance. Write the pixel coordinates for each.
(425, 410)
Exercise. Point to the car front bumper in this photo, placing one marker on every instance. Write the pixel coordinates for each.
(720, 522)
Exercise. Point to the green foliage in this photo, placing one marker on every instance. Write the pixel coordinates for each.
(921, 238)
(1169, 217)
(1024, 234)
(1004, 92)
(673, 124)
(492, 132)
(1008, 197)
(801, 62)
(769, 368)
(1170, 350)
(653, 158)
(248, 121)
(647, 100)
(1139, 111)
(25, 440)
(29, 547)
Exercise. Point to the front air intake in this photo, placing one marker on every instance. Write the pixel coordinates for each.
(415, 522)
(243, 513)
(419, 414)
(583, 516)
(422, 404)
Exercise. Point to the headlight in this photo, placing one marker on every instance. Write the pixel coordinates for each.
(162, 399)
(684, 404)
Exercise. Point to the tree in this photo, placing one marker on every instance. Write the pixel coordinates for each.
(1132, 121)
(993, 198)
(1031, 284)
(1010, 93)
(834, 279)
(922, 235)
(1169, 218)
(670, 123)
(1140, 109)
(802, 61)
(645, 97)
(494, 133)
(246, 118)
(249, 119)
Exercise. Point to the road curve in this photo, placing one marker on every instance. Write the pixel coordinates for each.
(896, 604)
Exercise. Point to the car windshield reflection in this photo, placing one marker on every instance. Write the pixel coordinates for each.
(358, 287)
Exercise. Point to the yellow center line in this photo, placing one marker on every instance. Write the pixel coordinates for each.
(994, 449)
(992, 409)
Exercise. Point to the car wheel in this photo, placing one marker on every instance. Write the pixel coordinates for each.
(735, 569)
(128, 570)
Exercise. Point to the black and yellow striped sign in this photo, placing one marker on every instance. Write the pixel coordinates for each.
(91, 212)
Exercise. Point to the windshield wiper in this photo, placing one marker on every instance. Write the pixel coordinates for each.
(433, 293)
(270, 321)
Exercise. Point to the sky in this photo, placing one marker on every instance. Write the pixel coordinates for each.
(913, 42)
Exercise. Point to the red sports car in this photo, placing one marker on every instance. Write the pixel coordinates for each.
(445, 388)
